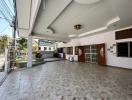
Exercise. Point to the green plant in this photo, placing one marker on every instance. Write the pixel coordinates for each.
(22, 43)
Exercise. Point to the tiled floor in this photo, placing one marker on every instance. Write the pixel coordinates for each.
(63, 80)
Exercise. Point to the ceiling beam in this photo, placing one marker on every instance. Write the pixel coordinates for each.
(34, 12)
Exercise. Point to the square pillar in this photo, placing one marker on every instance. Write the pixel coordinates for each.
(6, 69)
(73, 51)
(29, 51)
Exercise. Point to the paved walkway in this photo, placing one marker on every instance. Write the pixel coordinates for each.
(63, 80)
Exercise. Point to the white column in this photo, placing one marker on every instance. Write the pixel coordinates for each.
(55, 46)
(6, 61)
(74, 52)
(29, 51)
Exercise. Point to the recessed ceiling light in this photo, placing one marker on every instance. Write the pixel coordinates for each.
(87, 1)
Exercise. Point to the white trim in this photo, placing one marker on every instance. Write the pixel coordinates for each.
(114, 20)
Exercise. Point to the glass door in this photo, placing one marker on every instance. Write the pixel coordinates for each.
(91, 54)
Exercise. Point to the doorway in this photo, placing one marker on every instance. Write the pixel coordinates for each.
(91, 54)
(81, 54)
(101, 54)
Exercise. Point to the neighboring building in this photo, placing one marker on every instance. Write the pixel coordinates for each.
(46, 45)
(47, 48)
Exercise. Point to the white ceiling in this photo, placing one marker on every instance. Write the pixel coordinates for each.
(23, 13)
(89, 16)
(57, 18)
(23, 16)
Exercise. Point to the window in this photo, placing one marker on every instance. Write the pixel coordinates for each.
(70, 50)
(49, 48)
(45, 48)
(60, 50)
(124, 49)
(39, 48)
(53, 48)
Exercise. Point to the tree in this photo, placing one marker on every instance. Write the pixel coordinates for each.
(3, 43)
(22, 43)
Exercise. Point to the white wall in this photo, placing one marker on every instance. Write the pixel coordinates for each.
(109, 39)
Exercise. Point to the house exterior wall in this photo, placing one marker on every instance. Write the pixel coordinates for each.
(49, 48)
(109, 39)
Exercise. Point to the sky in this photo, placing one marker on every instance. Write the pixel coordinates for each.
(4, 24)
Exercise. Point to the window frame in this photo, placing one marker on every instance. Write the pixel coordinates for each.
(45, 49)
(129, 51)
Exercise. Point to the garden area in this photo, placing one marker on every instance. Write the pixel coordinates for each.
(21, 53)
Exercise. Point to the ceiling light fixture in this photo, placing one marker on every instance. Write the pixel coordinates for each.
(77, 27)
